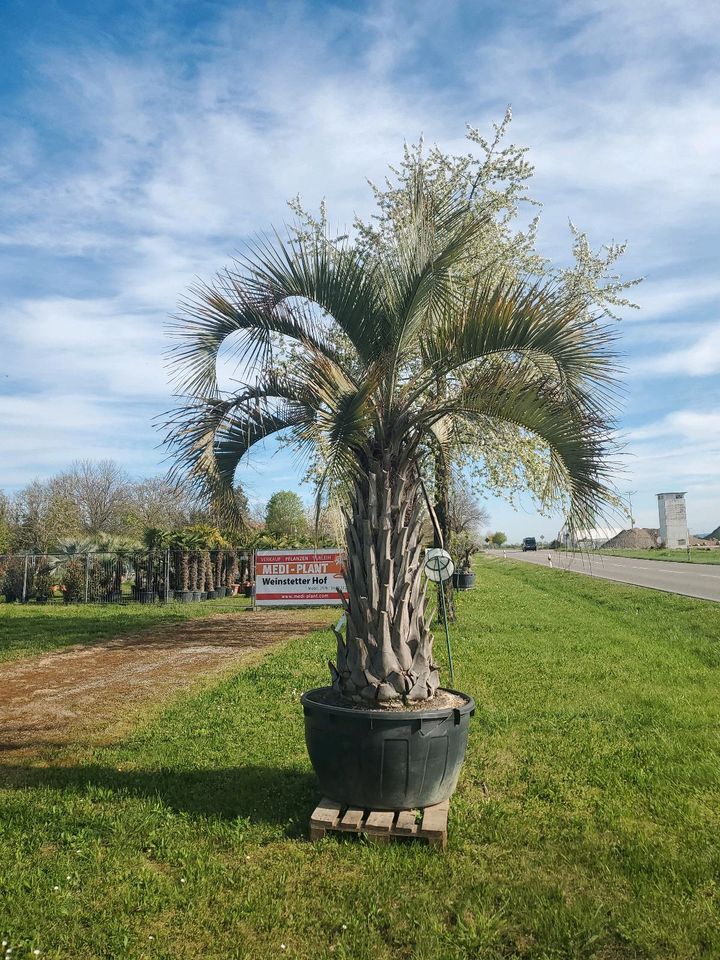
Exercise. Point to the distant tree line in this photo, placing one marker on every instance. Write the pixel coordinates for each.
(98, 503)
(90, 500)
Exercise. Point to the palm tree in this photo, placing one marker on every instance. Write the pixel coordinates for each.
(367, 401)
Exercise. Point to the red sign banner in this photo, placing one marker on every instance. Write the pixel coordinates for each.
(299, 578)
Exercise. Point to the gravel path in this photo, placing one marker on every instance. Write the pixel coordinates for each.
(52, 699)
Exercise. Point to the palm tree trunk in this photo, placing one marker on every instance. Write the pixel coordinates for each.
(231, 569)
(207, 568)
(387, 654)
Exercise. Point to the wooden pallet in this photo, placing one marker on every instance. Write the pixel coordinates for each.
(380, 825)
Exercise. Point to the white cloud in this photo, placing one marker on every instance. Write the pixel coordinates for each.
(676, 295)
(98, 344)
(45, 431)
(690, 425)
(700, 359)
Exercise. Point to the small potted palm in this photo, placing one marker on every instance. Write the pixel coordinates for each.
(232, 572)
(179, 546)
(208, 578)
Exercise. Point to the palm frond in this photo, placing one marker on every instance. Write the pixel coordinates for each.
(537, 323)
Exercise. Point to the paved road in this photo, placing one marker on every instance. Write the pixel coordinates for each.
(690, 579)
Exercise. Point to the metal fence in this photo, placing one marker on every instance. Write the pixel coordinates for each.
(152, 576)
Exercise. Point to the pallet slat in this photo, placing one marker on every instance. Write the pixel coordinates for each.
(352, 818)
(406, 825)
(434, 825)
(325, 817)
(326, 813)
(435, 818)
(380, 820)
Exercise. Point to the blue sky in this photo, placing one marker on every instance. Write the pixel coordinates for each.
(144, 143)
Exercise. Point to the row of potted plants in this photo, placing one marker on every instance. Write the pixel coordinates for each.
(183, 575)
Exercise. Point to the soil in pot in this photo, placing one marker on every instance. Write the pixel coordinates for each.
(387, 758)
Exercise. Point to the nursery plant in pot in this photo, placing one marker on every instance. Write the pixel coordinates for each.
(393, 353)
(194, 567)
(179, 547)
(73, 580)
(12, 580)
(462, 547)
(43, 580)
(232, 572)
(219, 573)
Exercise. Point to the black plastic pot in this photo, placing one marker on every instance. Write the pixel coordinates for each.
(385, 760)
(145, 596)
(184, 596)
(247, 590)
(463, 581)
(196, 595)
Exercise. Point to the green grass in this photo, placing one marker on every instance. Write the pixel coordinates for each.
(29, 629)
(585, 825)
(680, 556)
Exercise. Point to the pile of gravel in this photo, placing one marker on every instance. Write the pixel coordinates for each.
(639, 538)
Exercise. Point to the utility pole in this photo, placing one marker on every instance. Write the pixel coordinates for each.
(630, 494)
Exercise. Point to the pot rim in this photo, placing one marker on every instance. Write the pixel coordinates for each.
(389, 715)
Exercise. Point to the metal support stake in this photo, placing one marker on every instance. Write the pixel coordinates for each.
(447, 633)
(87, 575)
(24, 596)
(167, 575)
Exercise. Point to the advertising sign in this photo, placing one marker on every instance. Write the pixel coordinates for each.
(298, 577)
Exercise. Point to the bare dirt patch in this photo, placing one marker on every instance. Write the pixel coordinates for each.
(51, 700)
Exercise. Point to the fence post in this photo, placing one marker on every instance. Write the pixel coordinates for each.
(87, 575)
(24, 596)
(254, 580)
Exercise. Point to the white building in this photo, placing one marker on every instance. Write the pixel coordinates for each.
(593, 537)
(673, 520)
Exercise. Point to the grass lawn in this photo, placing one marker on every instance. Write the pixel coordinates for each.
(679, 556)
(585, 825)
(33, 628)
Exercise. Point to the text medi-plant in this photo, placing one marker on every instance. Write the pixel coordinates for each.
(421, 354)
